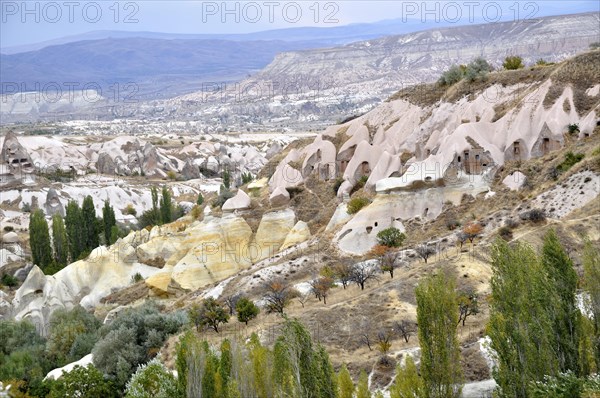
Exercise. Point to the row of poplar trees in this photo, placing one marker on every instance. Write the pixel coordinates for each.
(536, 326)
(72, 238)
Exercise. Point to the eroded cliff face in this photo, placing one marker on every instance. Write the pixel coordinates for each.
(427, 149)
(182, 255)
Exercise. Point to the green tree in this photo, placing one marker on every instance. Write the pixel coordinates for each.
(152, 380)
(520, 327)
(209, 314)
(200, 199)
(437, 318)
(74, 226)
(345, 383)
(562, 280)
(60, 241)
(109, 221)
(391, 237)
(90, 224)
(165, 206)
(83, 382)
(362, 389)
(225, 363)
(408, 383)
(513, 63)
(301, 369)
(72, 334)
(246, 310)
(39, 240)
(591, 283)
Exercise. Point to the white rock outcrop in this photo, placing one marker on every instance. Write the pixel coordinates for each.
(240, 201)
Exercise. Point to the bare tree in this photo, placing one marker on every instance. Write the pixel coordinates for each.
(278, 296)
(387, 258)
(231, 302)
(383, 342)
(362, 272)
(425, 251)
(303, 298)
(321, 287)
(405, 329)
(462, 238)
(472, 231)
(343, 272)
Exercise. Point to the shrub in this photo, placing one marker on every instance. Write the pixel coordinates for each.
(573, 129)
(72, 334)
(513, 63)
(152, 380)
(452, 224)
(390, 237)
(83, 382)
(337, 184)
(200, 199)
(477, 70)
(9, 280)
(222, 198)
(570, 160)
(196, 212)
(355, 204)
(246, 178)
(595, 45)
(130, 210)
(210, 314)
(8, 228)
(534, 215)
(137, 277)
(133, 338)
(505, 233)
(26, 208)
(171, 175)
(452, 76)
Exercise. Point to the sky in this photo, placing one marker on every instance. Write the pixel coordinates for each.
(26, 22)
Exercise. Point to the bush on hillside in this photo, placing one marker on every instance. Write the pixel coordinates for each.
(513, 63)
(355, 204)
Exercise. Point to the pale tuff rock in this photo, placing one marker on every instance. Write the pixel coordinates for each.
(272, 232)
(218, 248)
(84, 282)
(240, 201)
(58, 372)
(53, 204)
(319, 157)
(340, 217)
(258, 184)
(10, 237)
(514, 181)
(285, 176)
(298, 234)
(279, 197)
(190, 170)
(274, 149)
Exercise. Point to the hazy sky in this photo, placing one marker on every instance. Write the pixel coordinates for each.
(35, 21)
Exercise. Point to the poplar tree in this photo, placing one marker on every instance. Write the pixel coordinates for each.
(437, 318)
(90, 224)
(74, 226)
(362, 389)
(60, 240)
(520, 326)
(39, 240)
(345, 384)
(563, 281)
(165, 206)
(591, 283)
(408, 383)
(109, 221)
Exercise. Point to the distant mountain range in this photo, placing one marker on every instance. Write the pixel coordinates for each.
(297, 84)
(163, 65)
